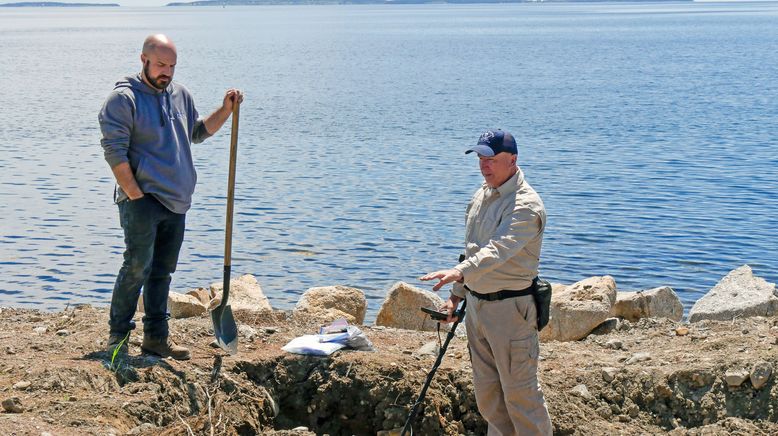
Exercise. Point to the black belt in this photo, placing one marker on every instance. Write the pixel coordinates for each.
(501, 295)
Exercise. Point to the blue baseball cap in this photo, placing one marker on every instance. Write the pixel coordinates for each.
(494, 142)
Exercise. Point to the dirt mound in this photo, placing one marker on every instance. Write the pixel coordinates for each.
(641, 378)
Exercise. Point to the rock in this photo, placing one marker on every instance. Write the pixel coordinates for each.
(22, 385)
(329, 303)
(581, 391)
(271, 330)
(605, 412)
(735, 378)
(633, 411)
(401, 308)
(184, 306)
(13, 405)
(607, 326)
(614, 344)
(202, 295)
(428, 349)
(609, 373)
(247, 332)
(738, 295)
(63, 332)
(682, 331)
(245, 294)
(639, 357)
(760, 373)
(579, 308)
(40, 330)
(653, 303)
(145, 428)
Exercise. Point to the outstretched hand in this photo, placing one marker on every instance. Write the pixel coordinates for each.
(444, 276)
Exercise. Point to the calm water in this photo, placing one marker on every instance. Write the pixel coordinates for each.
(649, 129)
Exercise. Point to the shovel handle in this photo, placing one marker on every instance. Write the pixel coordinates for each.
(231, 186)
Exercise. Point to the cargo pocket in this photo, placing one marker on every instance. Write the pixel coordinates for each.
(524, 360)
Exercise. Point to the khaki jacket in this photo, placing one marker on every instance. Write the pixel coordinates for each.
(503, 237)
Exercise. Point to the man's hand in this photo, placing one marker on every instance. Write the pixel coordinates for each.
(215, 120)
(450, 306)
(230, 97)
(445, 276)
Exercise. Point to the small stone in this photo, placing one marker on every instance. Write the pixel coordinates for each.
(608, 374)
(614, 344)
(605, 412)
(13, 405)
(624, 418)
(63, 332)
(10, 350)
(35, 318)
(760, 374)
(39, 330)
(430, 348)
(682, 331)
(22, 385)
(300, 428)
(639, 357)
(214, 344)
(581, 391)
(633, 411)
(271, 330)
(407, 352)
(247, 331)
(745, 331)
(145, 428)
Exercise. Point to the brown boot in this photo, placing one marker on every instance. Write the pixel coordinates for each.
(122, 342)
(164, 347)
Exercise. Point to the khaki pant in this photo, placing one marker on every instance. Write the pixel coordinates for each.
(503, 340)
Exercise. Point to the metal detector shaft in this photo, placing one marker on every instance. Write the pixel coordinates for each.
(423, 393)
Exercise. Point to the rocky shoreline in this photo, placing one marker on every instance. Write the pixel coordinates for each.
(646, 375)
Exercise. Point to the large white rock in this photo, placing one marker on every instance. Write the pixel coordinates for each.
(738, 295)
(184, 305)
(245, 294)
(329, 303)
(579, 308)
(653, 303)
(402, 308)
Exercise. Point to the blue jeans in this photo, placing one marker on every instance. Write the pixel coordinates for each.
(152, 237)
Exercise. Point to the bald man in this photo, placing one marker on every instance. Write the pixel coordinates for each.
(148, 124)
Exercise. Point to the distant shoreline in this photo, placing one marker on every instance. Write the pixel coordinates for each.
(56, 5)
(357, 2)
(318, 2)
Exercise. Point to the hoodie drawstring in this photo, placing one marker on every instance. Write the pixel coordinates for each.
(161, 110)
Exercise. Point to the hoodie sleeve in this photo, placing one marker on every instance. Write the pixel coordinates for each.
(200, 133)
(115, 124)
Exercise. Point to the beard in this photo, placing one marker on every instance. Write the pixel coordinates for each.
(159, 82)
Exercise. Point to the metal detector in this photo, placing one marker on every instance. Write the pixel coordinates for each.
(460, 314)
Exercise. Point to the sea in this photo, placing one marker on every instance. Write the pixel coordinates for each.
(649, 129)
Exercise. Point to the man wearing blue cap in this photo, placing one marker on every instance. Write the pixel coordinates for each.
(503, 236)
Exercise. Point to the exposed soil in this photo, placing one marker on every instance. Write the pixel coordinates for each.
(65, 384)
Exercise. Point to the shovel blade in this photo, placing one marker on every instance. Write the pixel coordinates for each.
(225, 329)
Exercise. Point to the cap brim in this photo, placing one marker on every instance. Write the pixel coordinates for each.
(482, 150)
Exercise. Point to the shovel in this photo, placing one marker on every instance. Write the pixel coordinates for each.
(223, 322)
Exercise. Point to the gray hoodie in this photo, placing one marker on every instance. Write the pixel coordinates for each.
(153, 130)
